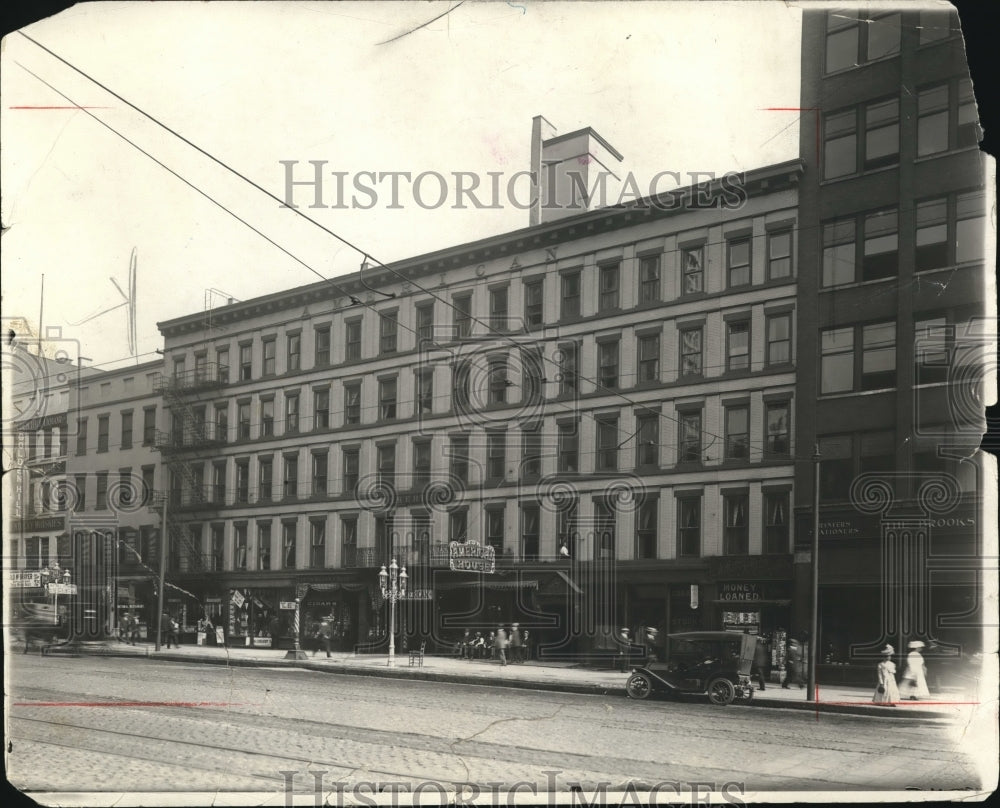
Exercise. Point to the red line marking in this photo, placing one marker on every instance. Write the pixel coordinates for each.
(128, 704)
(64, 107)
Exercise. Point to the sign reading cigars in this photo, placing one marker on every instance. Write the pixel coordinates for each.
(471, 556)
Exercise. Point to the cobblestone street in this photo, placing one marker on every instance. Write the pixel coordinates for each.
(202, 728)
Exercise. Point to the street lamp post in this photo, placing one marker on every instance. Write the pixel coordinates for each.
(393, 586)
(55, 575)
(296, 652)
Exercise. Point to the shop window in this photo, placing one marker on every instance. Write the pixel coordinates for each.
(317, 543)
(608, 280)
(649, 279)
(776, 522)
(352, 340)
(738, 345)
(607, 443)
(604, 530)
(737, 433)
(569, 447)
(736, 536)
(321, 344)
(351, 473)
(533, 303)
(692, 261)
(264, 546)
(529, 532)
(387, 332)
(352, 403)
(689, 525)
(647, 436)
(779, 254)
(462, 308)
(570, 296)
(645, 529)
(321, 408)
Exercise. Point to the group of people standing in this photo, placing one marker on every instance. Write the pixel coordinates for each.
(912, 685)
(497, 645)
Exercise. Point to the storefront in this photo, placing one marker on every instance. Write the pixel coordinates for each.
(346, 606)
(254, 617)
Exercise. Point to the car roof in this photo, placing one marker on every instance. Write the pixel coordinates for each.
(706, 635)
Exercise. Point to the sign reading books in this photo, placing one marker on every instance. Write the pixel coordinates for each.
(471, 556)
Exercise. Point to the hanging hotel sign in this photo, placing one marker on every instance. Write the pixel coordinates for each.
(471, 556)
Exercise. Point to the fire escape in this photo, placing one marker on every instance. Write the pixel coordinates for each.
(194, 436)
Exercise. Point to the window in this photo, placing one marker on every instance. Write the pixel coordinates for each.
(351, 470)
(569, 447)
(294, 351)
(263, 545)
(240, 546)
(290, 477)
(458, 454)
(932, 120)
(270, 351)
(877, 452)
(242, 481)
(266, 417)
(384, 538)
(840, 144)
(496, 455)
(691, 352)
(531, 450)
(533, 303)
(737, 433)
(101, 502)
(736, 536)
(932, 234)
(970, 227)
(881, 250)
(532, 375)
(645, 529)
(529, 532)
(932, 350)
(352, 403)
(387, 398)
(647, 440)
(103, 428)
(566, 528)
(149, 426)
(836, 469)
(63, 441)
(321, 408)
(608, 277)
(839, 249)
(604, 530)
(246, 362)
(352, 339)
(607, 443)
(738, 262)
(458, 525)
(317, 543)
(421, 463)
(348, 540)
(288, 545)
(495, 529)
(570, 295)
(649, 279)
(387, 332)
(462, 315)
(776, 522)
(265, 479)
(934, 25)
(969, 133)
(321, 343)
(878, 362)
(850, 42)
(148, 484)
(649, 358)
(568, 358)
(883, 36)
(776, 429)
(424, 383)
(880, 146)
(387, 465)
(243, 420)
(498, 308)
(461, 384)
(607, 363)
(80, 484)
(200, 370)
(291, 413)
(319, 473)
(779, 254)
(689, 437)
(881, 134)
(738, 345)
(81, 436)
(498, 381)
(779, 339)
(219, 483)
(837, 360)
(843, 36)
(692, 260)
(126, 442)
(425, 323)
(179, 365)
(222, 423)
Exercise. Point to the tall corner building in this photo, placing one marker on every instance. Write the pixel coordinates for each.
(893, 333)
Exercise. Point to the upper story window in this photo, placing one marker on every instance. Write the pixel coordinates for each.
(126, 441)
(352, 403)
(779, 254)
(607, 363)
(421, 462)
(607, 443)
(689, 427)
(352, 339)
(777, 430)
(692, 261)
(649, 358)
(845, 154)
(461, 388)
(531, 450)
(608, 298)
(851, 41)
(647, 440)
(568, 447)
(81, 438)
(570, 295)
(351, 469)
(321, 337)
(689, 525)
(776, 522)
(737, 432)
(462, 307)
(970, 227)
(103, 429)
(947, 117)
(738, 262)
(738, 345)
(222, 364)
(291, 413)
(425, 323)
(424, 382)
(568, 358)
(294, 351)
(266, 417)
(388, 327)
(386, 458)
(841, 373)
(387, 398)
(458, 454)
(243, 420)
(496, 455)
(498, 381)
(498, 308)
(879, 248)
(736, 538)
(246, 362)
(649, 279)
(778, 350)
(935, 25)
(533, 303)
(690, 342)
(321, 408)
(270, 346)
(148, 426)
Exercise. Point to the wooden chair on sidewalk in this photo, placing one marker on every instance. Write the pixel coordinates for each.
(417, 656)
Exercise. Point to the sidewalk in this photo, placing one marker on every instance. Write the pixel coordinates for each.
(558, 676)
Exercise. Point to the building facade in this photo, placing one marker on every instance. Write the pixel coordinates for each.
(892, 335)
(604, 401)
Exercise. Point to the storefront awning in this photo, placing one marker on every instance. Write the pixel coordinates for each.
(486, 584)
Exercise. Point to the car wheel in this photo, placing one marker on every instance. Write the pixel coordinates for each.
(638, 686)
(721, 691)
(746, 694)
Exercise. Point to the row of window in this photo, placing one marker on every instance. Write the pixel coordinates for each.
(854, 38)
(598, 539)
(125, 435)
(865, 137)
(47, 443)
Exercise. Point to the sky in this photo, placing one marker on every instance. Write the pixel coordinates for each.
(673, 86)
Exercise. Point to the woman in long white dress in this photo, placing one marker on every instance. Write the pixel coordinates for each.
(913, 685)
(886, 691)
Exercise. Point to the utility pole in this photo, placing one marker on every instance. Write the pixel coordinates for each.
(814, 615)
(164, 538)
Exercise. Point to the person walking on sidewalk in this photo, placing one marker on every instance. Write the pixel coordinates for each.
(913, 685)
(500, 644)
(515, 644)
(793, 664)
(761, 657)
(168, 628)
(324, 634)
(886, 691)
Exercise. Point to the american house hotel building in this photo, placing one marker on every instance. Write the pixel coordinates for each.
(604, 398)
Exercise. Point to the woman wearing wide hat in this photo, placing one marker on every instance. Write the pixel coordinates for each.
(886, 691)
(913, 685)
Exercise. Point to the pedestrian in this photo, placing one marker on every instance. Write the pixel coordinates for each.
(479, 646)
(123, 628)
(526, 644)
(886, 691)
(515, 643)
(913, 685)
(500, 644)
(761, 657)
(168, 628)
(793, 664)
(324, 633)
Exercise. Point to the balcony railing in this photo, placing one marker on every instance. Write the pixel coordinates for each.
(196, 562)
(202, 436)
(210, 376)
(434, 554)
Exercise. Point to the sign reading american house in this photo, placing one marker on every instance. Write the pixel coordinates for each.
(471, 556)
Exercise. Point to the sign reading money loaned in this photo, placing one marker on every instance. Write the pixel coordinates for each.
(471, 556)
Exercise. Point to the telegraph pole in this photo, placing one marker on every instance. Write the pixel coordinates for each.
(814, 615)
(164, 538)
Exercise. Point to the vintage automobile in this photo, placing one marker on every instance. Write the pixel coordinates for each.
(716, 663)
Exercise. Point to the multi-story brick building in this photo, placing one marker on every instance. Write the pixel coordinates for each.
(891, 338)
(604, 399)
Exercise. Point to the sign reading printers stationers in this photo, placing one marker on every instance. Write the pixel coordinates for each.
(471, 557)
